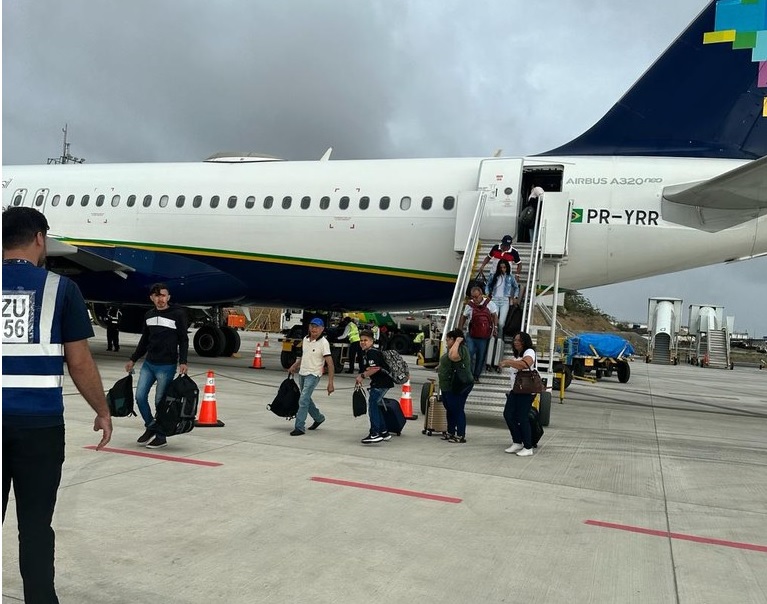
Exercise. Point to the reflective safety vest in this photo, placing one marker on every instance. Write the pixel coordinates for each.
(354, 332)
(33, 353)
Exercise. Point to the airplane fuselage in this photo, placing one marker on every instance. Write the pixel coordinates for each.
(377, 234)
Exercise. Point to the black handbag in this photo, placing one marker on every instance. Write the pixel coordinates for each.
(359, 402)
(527, 381)
(461, 379)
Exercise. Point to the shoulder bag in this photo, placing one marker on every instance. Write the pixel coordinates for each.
(527, 381)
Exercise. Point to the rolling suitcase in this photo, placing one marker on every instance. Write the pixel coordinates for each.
(513, 322)
(395, 419)
(435, 418)
(495, 352)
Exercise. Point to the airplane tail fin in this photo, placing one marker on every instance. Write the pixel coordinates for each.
(706, 96)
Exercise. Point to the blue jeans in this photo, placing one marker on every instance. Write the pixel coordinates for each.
(375, 410)
(517, 416)
(151, 373)
(306, 406)
(478, 354)
(32, 460)
(455, 405)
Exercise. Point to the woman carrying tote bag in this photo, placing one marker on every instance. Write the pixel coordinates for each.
(455, 382)
(518, 405)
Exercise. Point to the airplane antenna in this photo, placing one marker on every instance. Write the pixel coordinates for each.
(497, 152)
(66, 156)
(326, 157)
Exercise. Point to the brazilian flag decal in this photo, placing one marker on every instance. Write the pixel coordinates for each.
(576, 215)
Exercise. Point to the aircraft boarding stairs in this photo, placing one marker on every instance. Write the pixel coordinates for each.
(489, 394)
(717, 347)
(662, 351)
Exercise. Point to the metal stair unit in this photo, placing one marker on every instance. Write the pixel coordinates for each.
(717, 346)
(489, 395)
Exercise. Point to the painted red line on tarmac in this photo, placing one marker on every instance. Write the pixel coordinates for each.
(683, 537)
(196, 462)
(375, 487)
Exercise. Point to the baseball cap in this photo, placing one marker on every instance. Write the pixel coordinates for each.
(506, 239)
(317, 321)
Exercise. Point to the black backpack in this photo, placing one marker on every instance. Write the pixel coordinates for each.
(396, 368)
(178, 408)
(285, 404)
(120, 397)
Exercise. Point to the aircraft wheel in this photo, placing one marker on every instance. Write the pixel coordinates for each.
(335, 354)
(231, 341)
(578, 367)
(209, 341)
(287, 358)
(401, 343)
(544, 408)
(624, 372)
(568, 377)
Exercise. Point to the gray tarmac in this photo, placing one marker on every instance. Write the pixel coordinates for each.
(650, 491)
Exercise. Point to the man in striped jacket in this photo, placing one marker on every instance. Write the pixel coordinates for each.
(45, 322)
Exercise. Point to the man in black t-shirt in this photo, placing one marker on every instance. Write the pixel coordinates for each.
(376, 369)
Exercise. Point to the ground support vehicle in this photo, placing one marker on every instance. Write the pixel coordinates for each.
(601, 353)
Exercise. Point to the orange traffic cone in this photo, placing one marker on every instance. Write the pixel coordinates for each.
(208, 417)
(406, 402)
(266, 341)
(257, 359)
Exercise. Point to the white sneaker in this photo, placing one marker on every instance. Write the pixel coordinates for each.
(515, 447)
(525, 452)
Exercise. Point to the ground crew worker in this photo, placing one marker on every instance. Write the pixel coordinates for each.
(352, 333)
(45, 322)
(114, 315)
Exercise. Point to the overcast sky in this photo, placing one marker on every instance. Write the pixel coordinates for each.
(155, 80)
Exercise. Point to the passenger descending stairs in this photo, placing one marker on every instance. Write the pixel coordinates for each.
(489, 394)
(718, 349)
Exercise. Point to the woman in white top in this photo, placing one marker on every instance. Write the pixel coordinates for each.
(517, 409)
(503, 289)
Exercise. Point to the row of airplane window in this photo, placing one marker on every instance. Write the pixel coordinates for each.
(405, 202)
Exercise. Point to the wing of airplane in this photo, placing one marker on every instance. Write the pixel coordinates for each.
(727, 200)
(68, 259)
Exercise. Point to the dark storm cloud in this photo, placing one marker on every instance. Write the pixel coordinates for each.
(177, 81)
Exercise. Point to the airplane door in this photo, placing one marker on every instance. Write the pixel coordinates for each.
(40, 199)
(19, 198)
(501, 179)
(555, 223)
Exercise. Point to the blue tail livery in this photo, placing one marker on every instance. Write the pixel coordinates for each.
(706, 96)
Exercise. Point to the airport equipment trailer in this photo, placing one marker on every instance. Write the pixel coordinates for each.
(602, 353)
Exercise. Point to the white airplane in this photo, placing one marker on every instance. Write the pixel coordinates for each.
(671, 178)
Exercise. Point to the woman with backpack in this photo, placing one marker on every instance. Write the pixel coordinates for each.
(455, 383)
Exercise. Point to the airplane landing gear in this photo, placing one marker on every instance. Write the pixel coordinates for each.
(215, 338)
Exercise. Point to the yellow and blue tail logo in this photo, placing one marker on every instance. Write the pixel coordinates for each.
(706, 96)
(743, 24)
